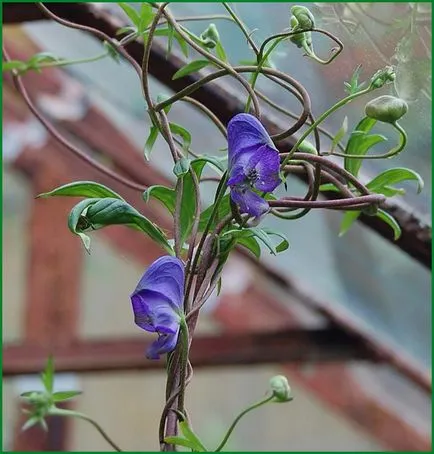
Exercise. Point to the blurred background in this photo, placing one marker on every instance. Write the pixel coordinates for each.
(367, 291)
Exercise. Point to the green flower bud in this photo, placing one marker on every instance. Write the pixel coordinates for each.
(382, 77)
(280, 388)
(387, 109)
(307, 147)
(210, 36)
(305, 18)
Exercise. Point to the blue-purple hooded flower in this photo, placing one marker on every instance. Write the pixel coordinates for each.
(253, 164)
(158, 303)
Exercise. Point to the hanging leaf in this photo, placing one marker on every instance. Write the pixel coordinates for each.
(192, 67)
(251, 244)
(393, 176)
(348, 220)
(82, 189)
(93, 214)
(150, 142)
(220, 52)
(391, 221)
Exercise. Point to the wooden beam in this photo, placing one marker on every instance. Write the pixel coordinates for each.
(289, 345)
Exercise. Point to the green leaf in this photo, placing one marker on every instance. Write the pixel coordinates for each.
(30, 422)
(179, 441)
(14, 64)
(393, 176)
(131, 13)
(150, 142)
(181, 167)
(191, 437)
(347, 221)
(163, 194)
(170, 37)
(188, 201)
(353, 85)
(164, 97)
(42, 57)
(391, 221)
(283, 245)
(251, 244)
(340, 134)
(220, 52)
(223, 210)
(97, 213)
(359, 143)
(47, 375)
(61, 396)
(219, 163)
(146, 16)
(125, 30)
(192, 67)
(168, 32)
(183, 133)
(81, 189)
(328, 187)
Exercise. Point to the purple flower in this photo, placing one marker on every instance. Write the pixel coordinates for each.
(253, 164)
(157, 303)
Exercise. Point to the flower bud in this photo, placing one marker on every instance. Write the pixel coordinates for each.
(386, 108)
(383, 76)
(307, 147)
(280, 388)
(305, 18)
(210, 36)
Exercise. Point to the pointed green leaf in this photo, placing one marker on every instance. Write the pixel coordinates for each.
(393, 176)
(179, 441)
(191, 437)
(251, 244)
(97, 213)
(191, 67)
(30, 423)
(220, 52)
(14, 64)
(150, 142)
(340, 134)
(183, 133)
(47, 375)
(359, 144)
(391, 221)
(61, 396)
(165, 195)
(81, 189)
(145, 17)
(347, 221)
(131, 12)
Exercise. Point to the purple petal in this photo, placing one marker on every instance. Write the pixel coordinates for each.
(237, 175)
(153, 312)
(164, 344)
(248, 201)
(245, 134)
(266, 161)
(165, 276)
